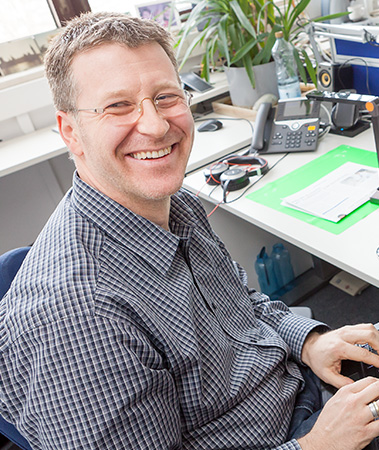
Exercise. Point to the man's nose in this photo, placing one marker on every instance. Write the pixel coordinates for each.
(150, 120)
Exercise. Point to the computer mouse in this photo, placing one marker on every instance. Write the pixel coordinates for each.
(210, 125)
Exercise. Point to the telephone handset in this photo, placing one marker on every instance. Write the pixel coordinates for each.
(292, 126)
(263, 125)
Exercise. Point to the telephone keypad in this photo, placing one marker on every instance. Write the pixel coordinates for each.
(304, 138)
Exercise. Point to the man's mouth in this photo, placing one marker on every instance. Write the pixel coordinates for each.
(155, 154)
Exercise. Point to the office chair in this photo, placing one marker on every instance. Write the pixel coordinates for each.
(10, 262)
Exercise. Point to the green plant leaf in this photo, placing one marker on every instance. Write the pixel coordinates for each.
(223, 35)
(310, 69)
(265, 55)
(300, 67)
(248, 64)
(331, 17)
(190, 49)
(242, 18)
(244, 50)
(295, 13)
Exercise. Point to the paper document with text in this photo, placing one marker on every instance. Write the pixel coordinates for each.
(337, 194)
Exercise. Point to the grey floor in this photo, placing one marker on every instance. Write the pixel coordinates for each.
(337, 308)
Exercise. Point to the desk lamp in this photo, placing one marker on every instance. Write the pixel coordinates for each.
(370, 102)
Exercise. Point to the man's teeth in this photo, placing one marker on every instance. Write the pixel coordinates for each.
(152, 155)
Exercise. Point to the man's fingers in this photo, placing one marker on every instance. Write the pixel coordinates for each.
(361, 354)
(363, 384)
(368, 391)
(361, 334)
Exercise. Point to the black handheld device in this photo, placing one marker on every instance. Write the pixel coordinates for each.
(357, 370)
(193, 81)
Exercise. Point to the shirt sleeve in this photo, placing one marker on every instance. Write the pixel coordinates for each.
(90, 383)
(292, 328)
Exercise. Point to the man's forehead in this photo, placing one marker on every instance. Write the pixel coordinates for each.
(113, 71)
(102, 49)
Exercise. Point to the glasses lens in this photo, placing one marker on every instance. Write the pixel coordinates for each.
(167, 105)
(172, 104)
(121, 109)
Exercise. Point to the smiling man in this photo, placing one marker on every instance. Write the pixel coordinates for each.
(129, 326)
(135, 147)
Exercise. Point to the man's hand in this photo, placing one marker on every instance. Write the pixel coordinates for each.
(323, 353)
(345, 422)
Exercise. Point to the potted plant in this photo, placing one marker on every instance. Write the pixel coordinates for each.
(242, 34)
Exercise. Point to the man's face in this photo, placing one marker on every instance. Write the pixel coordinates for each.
(135, 164)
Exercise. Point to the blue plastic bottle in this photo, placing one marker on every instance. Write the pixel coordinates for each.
(264, 268)
(282, 266)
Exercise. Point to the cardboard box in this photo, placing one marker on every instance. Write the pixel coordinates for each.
(224, 106)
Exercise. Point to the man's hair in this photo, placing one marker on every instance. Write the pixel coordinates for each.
(88, 31)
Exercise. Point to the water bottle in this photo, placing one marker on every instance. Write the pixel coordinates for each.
(264, 268)
(282, 266)
(285, 65)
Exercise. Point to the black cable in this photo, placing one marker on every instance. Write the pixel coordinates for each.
(256, 181)
(347, 62)
(370, 39)
(248, 187)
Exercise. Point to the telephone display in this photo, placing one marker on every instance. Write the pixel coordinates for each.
(293, 127)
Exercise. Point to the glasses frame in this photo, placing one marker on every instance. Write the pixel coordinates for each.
(187, 97)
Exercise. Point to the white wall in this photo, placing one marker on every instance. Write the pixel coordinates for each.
(314, 8)
(244, 242)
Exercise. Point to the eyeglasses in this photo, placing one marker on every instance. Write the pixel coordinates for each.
(167, 105)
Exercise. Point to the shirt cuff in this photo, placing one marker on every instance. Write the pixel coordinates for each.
(294, 330)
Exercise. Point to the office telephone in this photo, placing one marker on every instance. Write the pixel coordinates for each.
(293, 126)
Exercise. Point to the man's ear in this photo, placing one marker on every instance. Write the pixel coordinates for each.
(68, 129)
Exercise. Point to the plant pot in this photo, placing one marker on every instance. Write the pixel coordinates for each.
(242, 92)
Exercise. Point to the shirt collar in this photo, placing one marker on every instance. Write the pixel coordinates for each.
(141, 236)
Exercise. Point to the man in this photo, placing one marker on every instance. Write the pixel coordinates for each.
(128, 325)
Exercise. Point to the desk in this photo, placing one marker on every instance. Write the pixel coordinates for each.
(211, 145)
(354, 250)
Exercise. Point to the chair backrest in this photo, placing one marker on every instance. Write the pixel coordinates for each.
(10, 262)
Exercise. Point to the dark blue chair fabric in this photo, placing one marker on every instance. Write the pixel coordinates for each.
(10, 262)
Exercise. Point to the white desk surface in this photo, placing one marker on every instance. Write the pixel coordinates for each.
(30, 149)
(209, 146)
(354, 250)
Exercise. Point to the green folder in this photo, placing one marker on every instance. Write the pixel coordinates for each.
(272, 194)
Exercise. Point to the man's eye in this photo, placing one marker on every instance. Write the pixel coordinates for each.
(120, 108)
(161, 97)
(167, 99)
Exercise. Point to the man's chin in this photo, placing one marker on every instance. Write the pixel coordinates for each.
(161, 192)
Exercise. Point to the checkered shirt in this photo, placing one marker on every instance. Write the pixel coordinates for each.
(117, 334)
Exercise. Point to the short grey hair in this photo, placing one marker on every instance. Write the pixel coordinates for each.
(94, 29)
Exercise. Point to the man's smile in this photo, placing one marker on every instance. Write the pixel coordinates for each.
(153, 154)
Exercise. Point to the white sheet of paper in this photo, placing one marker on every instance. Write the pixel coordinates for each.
(337, 194)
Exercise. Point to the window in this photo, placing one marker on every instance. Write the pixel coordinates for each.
(27, 25)
(111, 5)
(20, 18)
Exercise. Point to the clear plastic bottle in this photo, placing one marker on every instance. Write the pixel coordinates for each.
(285, 65)
(282, 266)
(264, 268)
